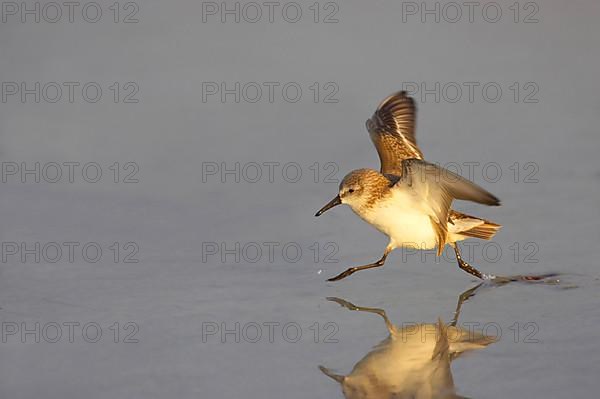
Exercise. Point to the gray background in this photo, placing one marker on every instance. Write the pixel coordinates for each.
(170, 132)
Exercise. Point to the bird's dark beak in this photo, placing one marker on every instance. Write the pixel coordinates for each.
(336, 201)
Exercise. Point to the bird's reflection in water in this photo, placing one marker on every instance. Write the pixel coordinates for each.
(414, 361)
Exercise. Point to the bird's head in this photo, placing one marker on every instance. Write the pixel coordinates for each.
(358, 189)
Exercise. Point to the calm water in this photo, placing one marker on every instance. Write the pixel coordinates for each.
(198, 270)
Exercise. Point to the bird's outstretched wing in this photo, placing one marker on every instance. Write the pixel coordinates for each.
(438, 187)
(392, 130)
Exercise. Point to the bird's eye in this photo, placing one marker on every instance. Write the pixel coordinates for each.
(351, 190)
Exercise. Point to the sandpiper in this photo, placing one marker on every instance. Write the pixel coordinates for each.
(410, 199)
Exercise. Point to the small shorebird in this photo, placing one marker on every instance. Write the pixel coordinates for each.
(410, 200)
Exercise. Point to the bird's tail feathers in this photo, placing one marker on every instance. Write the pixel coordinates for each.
(472, 226)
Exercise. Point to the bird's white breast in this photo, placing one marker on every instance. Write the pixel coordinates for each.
(404, 218)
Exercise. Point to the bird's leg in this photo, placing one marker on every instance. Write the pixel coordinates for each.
(354, 269)
(464, 265)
